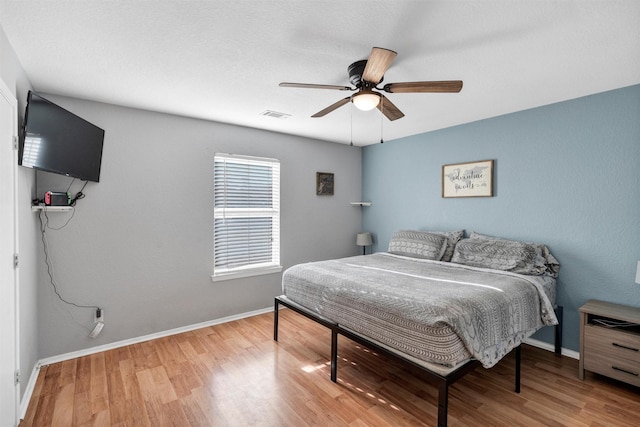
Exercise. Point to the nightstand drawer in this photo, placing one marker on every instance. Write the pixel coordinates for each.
(613, 367)
(615, 343)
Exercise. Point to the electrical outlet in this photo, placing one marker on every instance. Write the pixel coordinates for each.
(99, 318)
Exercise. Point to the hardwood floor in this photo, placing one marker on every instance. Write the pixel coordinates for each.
(234, 374)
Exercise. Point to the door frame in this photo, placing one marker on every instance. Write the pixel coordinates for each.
(8, 95)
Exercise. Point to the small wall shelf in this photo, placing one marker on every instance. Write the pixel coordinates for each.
(361, 203)
(38, 208)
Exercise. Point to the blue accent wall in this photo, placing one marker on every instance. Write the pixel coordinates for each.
(566, 174)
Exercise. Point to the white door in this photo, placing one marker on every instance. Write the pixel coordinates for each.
(9, 391)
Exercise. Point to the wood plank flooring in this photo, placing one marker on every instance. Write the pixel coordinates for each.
(234, 374)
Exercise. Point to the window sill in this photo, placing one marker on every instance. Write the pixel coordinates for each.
(246, 273)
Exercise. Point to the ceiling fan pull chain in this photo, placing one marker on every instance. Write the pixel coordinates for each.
(381, 115)
(351, 111)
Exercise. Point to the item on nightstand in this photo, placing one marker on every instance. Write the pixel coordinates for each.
(364, 240)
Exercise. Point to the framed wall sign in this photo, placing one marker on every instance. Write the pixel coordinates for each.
(473, 179)
(324, 184)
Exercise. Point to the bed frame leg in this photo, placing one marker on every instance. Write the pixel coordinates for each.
(443, 403)
(275, 320)
(334, 355)
(559, 310)
(518, 354)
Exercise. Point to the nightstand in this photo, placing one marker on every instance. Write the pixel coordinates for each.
(610, 341)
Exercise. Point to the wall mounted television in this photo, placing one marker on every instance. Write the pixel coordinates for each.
(56, 140)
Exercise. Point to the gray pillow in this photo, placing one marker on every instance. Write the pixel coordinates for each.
(418, 244)
(453, 237)
(545, 257)
(506, 255)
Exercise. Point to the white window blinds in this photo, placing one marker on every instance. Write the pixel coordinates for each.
(246, 231)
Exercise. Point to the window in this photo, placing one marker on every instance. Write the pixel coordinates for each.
(246, 229)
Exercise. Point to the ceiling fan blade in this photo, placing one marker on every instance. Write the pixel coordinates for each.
(332, 107)
(314, 86)
(378, 63)
(389, 109)
(415, 87)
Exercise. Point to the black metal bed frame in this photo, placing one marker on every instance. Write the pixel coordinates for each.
(441, 381)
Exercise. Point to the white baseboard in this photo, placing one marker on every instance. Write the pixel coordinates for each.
(26, 398)
(550, 347)
(28, 392)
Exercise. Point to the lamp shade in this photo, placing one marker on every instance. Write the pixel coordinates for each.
(364, 239)
(366, 100)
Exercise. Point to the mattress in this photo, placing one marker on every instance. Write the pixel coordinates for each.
(432, 311)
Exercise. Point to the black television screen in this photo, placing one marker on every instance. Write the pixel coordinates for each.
(56, 140)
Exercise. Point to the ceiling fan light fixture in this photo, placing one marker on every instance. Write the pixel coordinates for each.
(366, 100)
(366, 74)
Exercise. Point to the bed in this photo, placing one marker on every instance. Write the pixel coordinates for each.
(435, 300)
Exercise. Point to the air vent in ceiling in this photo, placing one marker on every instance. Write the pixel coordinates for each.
(275, 114)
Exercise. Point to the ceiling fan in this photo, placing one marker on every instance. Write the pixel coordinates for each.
(366, 75)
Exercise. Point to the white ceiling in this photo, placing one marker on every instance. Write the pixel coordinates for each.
(222, 60)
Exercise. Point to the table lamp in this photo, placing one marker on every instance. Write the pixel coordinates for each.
(364, 240)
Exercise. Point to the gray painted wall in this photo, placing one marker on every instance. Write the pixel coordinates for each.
(15, 78)
(140, 243)
(565, 175)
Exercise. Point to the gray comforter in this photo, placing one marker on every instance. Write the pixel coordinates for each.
(415, 306)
